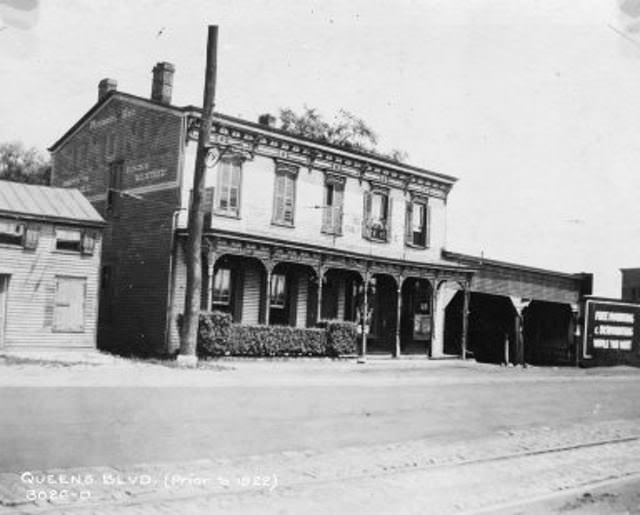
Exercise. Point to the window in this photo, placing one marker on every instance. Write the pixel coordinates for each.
(69, 239)
(75, 240)
(377, 215)
(111, 144)
(278, 291)
(284, 195)
(222, 286)
(11, 233)
(228, 191)
(115, 185)
(332, 208)
(68, 308)
(417, 223)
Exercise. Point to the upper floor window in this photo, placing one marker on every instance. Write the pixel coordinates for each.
(115, 187)
(284, 199)
(69, 239)
(19, 234)
(227, 199)
(277, 293)
(11, 233)
(75, 240)
(222, 286)
(417, 223)
(377, 215)
(333, 205)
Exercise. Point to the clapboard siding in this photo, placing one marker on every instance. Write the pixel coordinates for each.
(303, 299)
(31, 293)
(526, 285)
(251, 297)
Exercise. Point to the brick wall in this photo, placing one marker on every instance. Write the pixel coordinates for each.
(146, 140)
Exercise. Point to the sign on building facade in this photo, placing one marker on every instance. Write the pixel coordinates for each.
(612, 331)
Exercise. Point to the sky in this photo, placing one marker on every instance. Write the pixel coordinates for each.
(534, 105)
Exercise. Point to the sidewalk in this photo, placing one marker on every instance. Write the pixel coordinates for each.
(101, 369)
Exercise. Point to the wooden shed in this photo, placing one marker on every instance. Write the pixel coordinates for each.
(50, 240)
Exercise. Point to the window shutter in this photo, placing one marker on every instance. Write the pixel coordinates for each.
(428, 226)
(278, 199)
(31, 237)
(88, 243)
(389, 213)
(408, 228)
(366, 211)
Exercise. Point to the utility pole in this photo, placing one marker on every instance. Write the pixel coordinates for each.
(189, 333)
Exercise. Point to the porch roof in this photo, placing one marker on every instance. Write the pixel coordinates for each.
(281, 250)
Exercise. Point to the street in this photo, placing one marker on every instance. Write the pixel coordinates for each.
(449, 436)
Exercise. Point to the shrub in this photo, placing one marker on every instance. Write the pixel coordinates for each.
(214, 329)
(218, 336)
(274, 340)
(341, 337)
(213, 333)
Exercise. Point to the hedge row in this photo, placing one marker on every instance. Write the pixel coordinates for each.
(218, 336)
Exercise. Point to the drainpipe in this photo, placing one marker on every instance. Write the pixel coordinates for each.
(171, 275)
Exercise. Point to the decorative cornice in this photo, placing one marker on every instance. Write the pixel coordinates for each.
(303, 154)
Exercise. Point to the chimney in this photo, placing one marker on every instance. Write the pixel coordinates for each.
(105, 86)
(268, 120)
(162, 85)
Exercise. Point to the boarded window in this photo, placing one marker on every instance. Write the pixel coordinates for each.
(229, 175)
(11, 233)
(68, 306)
(115, 187)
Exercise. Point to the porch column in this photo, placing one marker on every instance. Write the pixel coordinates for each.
(211, 260)
(320, 271)
(364, 318)
(399, 281)
(519, 304)
(267, 298)
(444, 292)
(465, 319)
(574, 333)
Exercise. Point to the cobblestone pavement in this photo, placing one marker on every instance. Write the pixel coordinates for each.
(406, 477)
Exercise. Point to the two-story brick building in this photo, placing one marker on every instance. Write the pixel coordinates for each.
(294, 228)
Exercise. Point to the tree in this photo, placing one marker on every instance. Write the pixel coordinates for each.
(346, 130)
(20, 164)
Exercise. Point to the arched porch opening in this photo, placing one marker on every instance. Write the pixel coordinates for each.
(232, 285)
(382, 302)
(341, 294)
(416, 319)
(292, 295)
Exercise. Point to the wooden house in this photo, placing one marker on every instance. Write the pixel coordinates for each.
(50, 246)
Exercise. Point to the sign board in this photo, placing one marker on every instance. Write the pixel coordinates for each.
(610, 328)
(421, 327)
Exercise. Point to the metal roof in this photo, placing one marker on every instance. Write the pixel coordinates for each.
(47, 203)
